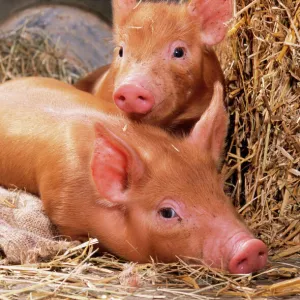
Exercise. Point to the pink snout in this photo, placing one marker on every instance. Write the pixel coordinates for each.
(251, 256)
(133, 98)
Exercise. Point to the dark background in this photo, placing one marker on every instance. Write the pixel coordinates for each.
(99, 7)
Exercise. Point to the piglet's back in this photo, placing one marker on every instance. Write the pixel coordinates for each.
(38, 119)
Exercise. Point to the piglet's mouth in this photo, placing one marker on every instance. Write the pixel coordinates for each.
(136, 116)
(241, 254)
(148, 118)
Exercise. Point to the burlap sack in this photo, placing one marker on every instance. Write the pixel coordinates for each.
(26, 233)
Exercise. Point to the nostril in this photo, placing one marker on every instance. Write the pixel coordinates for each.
(142, 98)
(122, 98)
(242, 262)
(262, 258)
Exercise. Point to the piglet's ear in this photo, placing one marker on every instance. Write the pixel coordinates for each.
(212, 14)
(121, 9)
(210, 131)
(115, 165)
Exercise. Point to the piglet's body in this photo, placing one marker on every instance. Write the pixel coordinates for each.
(164, 68)
(140, 191)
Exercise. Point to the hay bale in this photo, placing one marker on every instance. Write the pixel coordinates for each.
(30, 52)
(262, 164)
(261, 60)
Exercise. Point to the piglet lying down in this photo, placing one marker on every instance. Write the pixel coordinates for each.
(140, 191)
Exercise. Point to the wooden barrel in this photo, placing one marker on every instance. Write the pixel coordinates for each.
(101, 8)
(80, 28)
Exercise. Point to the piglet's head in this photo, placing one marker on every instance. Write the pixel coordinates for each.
(163, 66)
(163, 197)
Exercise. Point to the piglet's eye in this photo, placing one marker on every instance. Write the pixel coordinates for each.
(178, 52)
(121, 52)
(168, 213)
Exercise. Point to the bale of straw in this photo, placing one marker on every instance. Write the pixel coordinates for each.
(261, 60)
(29, 52)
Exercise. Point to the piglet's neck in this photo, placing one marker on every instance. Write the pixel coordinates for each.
(211, 68)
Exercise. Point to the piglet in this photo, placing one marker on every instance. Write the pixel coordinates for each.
(164, 67)
(141, 191)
